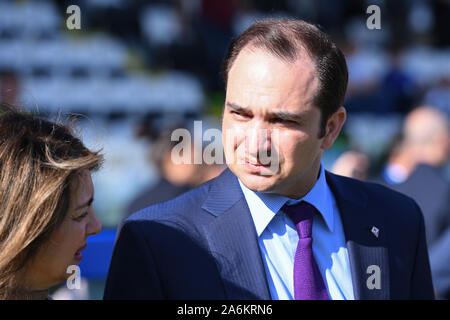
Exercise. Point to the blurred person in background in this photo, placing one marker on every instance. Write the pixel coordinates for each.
(415, 167)
(397, 90)
(352, 164)
(174, 178)
(46, 196)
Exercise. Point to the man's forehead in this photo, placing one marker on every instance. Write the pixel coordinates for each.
(271, 75)
(301, 56)
(260, 62)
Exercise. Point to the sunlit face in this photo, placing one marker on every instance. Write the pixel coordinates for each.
(268, 97)
(49, 267)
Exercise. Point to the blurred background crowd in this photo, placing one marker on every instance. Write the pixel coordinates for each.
(136, 70)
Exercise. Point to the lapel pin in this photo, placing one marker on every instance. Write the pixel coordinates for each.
(375, 231)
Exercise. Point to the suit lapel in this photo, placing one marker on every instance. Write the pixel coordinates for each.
(233, 241)
(368, 254)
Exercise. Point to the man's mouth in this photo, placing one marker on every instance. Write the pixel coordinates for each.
(256, 167)
(256, 163)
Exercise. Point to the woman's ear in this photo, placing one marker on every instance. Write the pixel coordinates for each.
(333, 128)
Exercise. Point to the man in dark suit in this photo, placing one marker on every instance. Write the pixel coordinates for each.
(416, 167)
(429, 188)
(248, 234)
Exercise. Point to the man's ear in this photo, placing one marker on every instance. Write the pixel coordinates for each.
(333, 128)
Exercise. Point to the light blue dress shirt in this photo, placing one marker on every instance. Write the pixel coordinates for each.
(278, 240)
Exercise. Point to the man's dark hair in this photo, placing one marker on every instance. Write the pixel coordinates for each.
(287, 39)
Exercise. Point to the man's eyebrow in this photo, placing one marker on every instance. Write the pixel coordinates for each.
(235, 107)
(87, 204)
(284, 115)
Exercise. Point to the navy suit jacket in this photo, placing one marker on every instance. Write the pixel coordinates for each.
(203, 245)
(429, 188)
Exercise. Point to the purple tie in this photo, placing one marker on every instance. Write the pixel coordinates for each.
(308, 282)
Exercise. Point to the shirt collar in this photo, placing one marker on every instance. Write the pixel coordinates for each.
(264, 206)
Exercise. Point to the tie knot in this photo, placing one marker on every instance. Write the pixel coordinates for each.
(301, 215)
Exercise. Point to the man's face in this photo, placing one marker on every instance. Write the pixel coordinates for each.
(268, 110)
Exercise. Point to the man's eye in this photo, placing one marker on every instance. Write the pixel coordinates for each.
(239, 114)
(283, 121)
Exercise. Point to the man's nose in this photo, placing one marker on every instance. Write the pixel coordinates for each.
(257, 140)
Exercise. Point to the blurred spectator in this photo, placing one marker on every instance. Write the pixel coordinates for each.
(352, 164)
(426, 136)
(415, 167)
(174, 179)
(397, 89)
